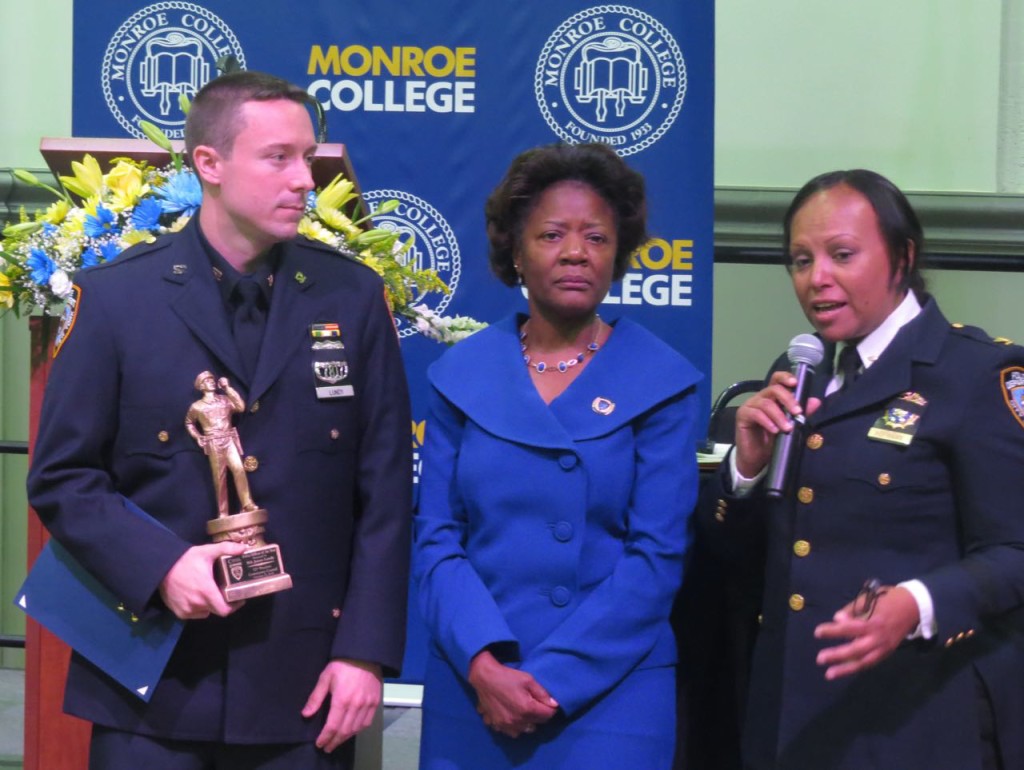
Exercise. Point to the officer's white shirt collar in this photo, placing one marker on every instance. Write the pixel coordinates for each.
(872, 346)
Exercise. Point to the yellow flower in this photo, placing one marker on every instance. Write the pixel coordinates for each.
(371, 261)
(330, 202)
(126, 186)
(132, 237)
(315, 231)
(6, 296)
(56, 212)
(88, 179)
(178, 223)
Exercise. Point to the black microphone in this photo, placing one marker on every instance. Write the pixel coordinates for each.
(805, 352)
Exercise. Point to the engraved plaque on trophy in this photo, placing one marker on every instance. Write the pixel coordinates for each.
(259, 570)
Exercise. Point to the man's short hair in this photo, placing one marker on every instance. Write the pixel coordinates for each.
(215, 116)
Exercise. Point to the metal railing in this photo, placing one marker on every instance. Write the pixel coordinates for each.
(13, 448)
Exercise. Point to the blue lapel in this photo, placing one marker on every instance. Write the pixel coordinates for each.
(502, 399)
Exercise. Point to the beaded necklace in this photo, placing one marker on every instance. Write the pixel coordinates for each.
(561, 366)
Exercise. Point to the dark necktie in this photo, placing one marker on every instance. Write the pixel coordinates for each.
(849, 366)
(248, 322)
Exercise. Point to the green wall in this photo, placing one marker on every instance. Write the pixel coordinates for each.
(909, 88)
(35, 94)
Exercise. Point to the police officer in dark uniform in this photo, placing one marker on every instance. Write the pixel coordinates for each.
(894, 577)
(279, 681)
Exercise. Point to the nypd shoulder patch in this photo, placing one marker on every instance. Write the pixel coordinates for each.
(67, 320)
(1011, 381)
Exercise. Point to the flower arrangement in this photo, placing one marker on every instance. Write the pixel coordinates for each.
(135, 202)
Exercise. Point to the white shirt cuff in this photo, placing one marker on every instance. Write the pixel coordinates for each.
(925, 609)
(741, 485)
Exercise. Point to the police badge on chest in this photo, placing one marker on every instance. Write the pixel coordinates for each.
(330, 364)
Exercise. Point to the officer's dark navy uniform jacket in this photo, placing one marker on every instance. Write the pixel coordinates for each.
(947, 508)
(334, 476)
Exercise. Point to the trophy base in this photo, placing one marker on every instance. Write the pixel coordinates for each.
(257, 572)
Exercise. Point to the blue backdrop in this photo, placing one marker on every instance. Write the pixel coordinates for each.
(433, 98)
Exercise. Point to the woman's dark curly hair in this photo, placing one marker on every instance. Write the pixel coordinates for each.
(535, 170)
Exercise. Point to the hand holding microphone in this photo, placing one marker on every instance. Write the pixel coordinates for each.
(778, 408)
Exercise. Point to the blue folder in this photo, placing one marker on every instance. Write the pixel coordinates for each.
(69, 602)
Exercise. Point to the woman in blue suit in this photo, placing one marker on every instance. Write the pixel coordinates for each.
(558, 477)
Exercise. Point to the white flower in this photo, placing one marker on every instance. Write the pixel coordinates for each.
(60, 284)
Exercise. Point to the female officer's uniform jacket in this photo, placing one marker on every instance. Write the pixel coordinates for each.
(916, 471)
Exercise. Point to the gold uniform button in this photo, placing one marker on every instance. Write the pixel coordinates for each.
(796, 602)
(815, 441)
(949, 642)
(255, 407)
(884, 479)
(336, 613)
(801, 548)
(805, 495)
(760, 619)
(969, 633)
(250, 463)
(719, 516)
(958, 326)
(335, 433)
(163, 437)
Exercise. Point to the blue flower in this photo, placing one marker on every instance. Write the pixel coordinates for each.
(40, 266)
(146, 215)
(104, 251)
(110, 250)
(90, 257)
(104, 223)
(49, 229)
(182, 193)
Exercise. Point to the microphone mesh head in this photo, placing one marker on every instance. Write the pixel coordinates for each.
(805, 349)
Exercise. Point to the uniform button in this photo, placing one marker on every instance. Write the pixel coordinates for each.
(760, 618)
(567, 461)
(560, 596)
(805, 495)
(250, 463)
(163, 436)
(719, 515)
(796, 602)
(334, 434)
(254, 407)
(815, 441)
(884, 479)
(949, 642)
(336, 613)
(969, 633)
(563, 531)
(958, 326)
(801, 548)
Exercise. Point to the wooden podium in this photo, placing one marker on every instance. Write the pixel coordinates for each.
(53, 740)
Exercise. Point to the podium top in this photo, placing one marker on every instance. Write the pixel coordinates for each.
(330, 160)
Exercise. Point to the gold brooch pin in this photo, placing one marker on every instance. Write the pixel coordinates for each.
(603, 406)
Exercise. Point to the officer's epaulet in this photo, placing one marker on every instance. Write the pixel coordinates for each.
(975, 333)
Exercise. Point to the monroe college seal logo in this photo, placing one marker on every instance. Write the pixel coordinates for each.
(611, 74)
(433, 245)
(159, 53)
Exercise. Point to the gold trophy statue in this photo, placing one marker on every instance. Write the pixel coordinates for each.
(259, 570)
